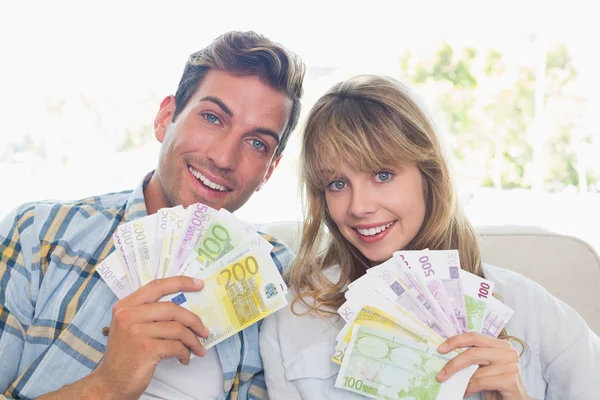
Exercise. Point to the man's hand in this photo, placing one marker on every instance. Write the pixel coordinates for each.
(143, 332)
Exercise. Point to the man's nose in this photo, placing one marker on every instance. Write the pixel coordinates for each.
(223, 152)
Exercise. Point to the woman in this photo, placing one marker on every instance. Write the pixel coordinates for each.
(375, 177)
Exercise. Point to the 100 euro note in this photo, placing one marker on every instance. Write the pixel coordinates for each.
(242, 292)
(478, 292)
(384, 365)
(497, 317)
(382, 312)
(225, 233)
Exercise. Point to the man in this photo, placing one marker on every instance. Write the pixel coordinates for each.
(63, 335)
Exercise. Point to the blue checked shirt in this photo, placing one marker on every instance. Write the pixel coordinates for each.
(54, 305)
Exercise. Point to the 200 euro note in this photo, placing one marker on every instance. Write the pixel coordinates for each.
(237, 295)
(176, 218)
(144, 245)
(384, 365)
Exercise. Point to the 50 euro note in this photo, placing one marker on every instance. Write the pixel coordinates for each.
(382, 364)
(245, 288)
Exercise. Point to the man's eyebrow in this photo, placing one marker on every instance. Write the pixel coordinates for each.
(226, 110)
(218, 102)
(267, 131)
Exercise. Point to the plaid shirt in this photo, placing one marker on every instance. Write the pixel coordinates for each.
(54, 305)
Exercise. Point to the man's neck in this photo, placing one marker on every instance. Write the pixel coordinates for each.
(154, 196)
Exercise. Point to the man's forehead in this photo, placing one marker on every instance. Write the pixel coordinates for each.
(242, 93)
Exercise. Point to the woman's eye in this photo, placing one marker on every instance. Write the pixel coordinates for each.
(258, 145)
(211, 118)
(337, 186)
(383, 176)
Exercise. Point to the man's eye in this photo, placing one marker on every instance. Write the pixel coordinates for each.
(336, 186)
(383, 176)
(211, 118)
(258, 145)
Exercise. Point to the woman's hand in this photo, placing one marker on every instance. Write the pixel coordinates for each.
(499, 374)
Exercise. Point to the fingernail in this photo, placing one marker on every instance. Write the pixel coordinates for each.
(443, 347)
(440, 375)
(198, 282)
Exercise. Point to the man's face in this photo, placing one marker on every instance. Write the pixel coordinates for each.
(220, 148)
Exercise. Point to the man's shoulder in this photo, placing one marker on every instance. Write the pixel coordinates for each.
(282, 254)
(46, 213)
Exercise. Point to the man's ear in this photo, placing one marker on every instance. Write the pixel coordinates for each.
(272, 167)
(164, 117)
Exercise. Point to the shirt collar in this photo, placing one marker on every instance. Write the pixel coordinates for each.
(136, 204)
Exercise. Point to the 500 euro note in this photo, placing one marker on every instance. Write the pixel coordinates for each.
(427, 272)
(199, 218)
(112, 271)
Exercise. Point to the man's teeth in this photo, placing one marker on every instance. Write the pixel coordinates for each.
(374, 231)
(205, 180)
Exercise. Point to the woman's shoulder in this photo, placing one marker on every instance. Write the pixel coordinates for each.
(513, 287)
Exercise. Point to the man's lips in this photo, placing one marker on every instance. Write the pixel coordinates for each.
(210, 181)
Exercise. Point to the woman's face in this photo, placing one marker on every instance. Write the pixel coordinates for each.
(379, 212)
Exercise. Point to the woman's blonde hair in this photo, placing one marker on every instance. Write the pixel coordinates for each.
(371, 123)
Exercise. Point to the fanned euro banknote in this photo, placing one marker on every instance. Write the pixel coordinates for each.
(242, 284)
(399, 313)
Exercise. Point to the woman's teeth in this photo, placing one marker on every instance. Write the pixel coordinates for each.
(374, 231)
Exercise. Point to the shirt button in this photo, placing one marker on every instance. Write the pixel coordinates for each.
(105, 330)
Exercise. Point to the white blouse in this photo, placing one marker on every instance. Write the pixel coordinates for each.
(561, 359)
